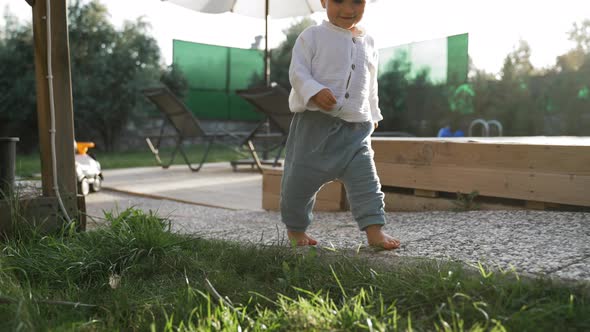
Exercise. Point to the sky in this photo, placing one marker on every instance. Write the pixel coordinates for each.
(494, 27)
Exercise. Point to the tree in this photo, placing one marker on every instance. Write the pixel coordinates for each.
(393, 93)
(517, 64)
(17, 83)
(572, 60)
(281, 56)
(575, 58)
(486, 101)
(109, 67)
(173, 78)
(516, 110)
(580, 34)
(567, 86)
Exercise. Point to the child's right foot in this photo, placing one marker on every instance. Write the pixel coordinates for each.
(301, 239)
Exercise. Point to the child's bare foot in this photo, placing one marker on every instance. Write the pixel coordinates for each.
(301, 238)
(377, 238)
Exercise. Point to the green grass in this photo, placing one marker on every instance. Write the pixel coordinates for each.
(29, 165)
(172, 282)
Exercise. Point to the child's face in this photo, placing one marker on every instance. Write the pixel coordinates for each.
(344, 13)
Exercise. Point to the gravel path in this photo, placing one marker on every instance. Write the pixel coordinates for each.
(555, 244)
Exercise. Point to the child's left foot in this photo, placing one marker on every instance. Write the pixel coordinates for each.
(301, 239)
(377, 238)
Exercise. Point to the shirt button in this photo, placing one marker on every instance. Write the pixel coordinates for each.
(346, 95)
(353, 66)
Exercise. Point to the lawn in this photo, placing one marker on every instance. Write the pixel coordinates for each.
(136, 275)
(29, 165)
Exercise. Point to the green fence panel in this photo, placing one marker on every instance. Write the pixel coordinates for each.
(213, 74)
(423, 87)
(443, 60)
(208, 105)
(242, 110)
(457, 58)
(246, 68)
(205, 66)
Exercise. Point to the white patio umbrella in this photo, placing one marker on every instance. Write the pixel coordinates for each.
(255, 8)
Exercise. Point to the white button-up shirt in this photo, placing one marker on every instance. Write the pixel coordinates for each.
(327, 56)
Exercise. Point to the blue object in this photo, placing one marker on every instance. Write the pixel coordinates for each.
(447, 132)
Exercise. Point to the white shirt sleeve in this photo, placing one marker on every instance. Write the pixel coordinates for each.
(374, 90)
(300, 75)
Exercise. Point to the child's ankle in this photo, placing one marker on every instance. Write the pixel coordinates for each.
(373, 229)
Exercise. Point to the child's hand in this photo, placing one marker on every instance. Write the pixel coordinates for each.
(324, 99)
(376, 124)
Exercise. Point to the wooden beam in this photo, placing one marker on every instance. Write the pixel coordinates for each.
(64, 117)
(518, 184)
(425, 193)
(567, 159)
(399, 202)
(331, 197)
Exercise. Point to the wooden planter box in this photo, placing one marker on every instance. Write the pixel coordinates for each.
(535, 169)
(332, 196)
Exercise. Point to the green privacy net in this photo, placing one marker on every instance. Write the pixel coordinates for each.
(439, 61)
(213, 74)
(423, 86)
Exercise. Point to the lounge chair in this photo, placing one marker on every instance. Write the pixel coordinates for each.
(273, 102)
(185, 124)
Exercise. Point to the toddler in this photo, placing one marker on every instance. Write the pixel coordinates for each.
(333, 73)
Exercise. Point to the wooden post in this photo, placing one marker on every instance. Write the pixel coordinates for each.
(64, 117)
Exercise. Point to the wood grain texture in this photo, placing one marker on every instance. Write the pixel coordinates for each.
(331, 196)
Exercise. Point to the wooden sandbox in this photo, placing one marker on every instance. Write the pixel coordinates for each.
(539, 171)
(534, 169)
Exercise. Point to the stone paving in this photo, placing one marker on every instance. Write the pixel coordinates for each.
(553, 244)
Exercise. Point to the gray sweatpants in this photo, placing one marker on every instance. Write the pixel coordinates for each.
(321, 148)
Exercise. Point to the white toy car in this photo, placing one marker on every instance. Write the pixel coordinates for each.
(88, 171)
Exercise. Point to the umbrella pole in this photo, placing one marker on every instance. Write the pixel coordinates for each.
(266, 52)
(266, 75)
